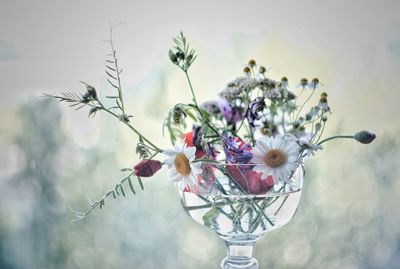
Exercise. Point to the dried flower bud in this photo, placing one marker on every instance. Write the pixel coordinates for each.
(180, 55)
(314, 83)
(124, 118)
(91, 91)
(364, 137)
(324, 118)
(324, 94)
(303, 82)
(252, 63)
(318, 126)
(284, 79)
(172, 57)
(147, 168)
(89, 95)
(323, 104)
(262, 70)
(142, 150)
(246, 69)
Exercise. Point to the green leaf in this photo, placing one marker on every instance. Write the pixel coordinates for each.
(190, 114)
(126, 169)
(112, 84)
(118, 104)
(109, 67)
(122, 190)
(140, 183)
(131, 185)
(109, 74)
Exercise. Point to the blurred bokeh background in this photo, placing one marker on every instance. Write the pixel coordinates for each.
(53, 158)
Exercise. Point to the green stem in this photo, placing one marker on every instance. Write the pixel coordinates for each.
(246, 100)
(322, 131)
(82, 215)
(335, 137)
(118, 71)
(196, 104)
(283, 119)
(193, 95)
(298, 113)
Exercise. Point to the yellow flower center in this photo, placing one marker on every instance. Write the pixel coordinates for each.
(182, 164)
(275, 158)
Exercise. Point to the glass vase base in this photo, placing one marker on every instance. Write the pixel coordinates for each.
(229, 263)
(239, 255)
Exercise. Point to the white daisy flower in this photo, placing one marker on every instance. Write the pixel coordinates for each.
(275, 156)
(181, 167)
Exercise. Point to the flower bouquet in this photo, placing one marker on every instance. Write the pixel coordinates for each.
(238, 160)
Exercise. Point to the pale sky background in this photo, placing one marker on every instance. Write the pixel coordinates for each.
(353, 47)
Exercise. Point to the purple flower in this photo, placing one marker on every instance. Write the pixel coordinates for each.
(211, 107)
(252, 111)
(236, 151)
(238, 86)
(231, 113)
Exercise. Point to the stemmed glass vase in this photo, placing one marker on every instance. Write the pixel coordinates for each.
(241, 207)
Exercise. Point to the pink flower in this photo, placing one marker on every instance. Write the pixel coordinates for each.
(147, 168)
(249, 180)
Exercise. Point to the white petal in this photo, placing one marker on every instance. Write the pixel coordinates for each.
(261, 145)
(190, 181)
(262, 169)
(292, 147)
(257, 160)
(174, 175)
(279, 143)
(275, 178)
(190, 153)
(257, 151)
(180, 146)
(196, 168)
(292, 159)
(258, 168)
(170, 152)
(272, 143)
